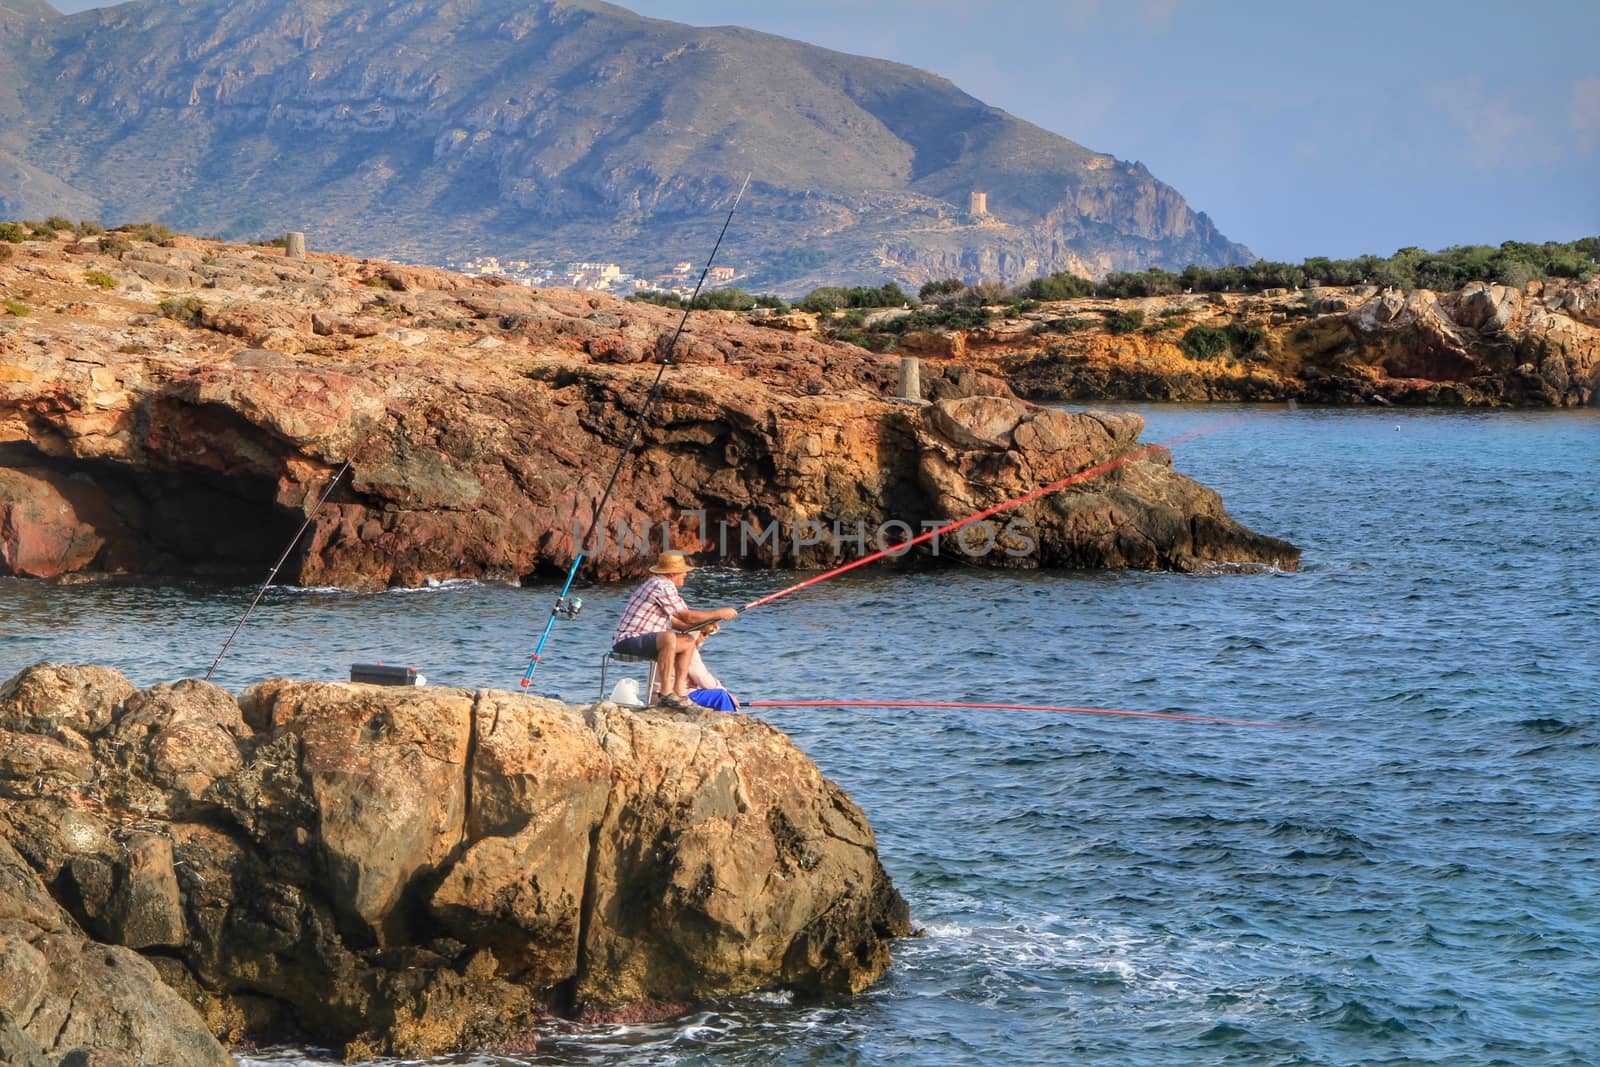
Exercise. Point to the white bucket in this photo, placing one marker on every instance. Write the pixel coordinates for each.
(626, 692)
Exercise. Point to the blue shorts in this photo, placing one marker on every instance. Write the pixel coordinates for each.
(641, 645)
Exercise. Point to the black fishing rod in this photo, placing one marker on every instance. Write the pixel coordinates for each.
(310, 515)
(564, 606)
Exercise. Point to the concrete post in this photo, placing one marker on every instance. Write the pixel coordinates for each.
(295, 246)
(910, 378)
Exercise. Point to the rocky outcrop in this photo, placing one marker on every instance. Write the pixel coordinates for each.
(189, 425)
(409, 871)
(66, 999)
(1480, 346)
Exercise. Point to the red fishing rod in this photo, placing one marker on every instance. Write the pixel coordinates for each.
(977, 516)
(1019, 707)
(1044, 490)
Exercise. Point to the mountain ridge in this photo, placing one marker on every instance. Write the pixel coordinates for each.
(558, 129)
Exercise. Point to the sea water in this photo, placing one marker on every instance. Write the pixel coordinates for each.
(1415, 880)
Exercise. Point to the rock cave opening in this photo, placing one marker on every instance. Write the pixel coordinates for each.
(111, 518)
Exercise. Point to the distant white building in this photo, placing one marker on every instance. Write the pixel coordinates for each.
(605, 272)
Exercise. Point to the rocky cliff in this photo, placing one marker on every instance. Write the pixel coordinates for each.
(1480, 346)
(403, 871)
(555, 130)
(178, 408)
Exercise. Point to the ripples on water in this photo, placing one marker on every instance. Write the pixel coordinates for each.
(1414, 882)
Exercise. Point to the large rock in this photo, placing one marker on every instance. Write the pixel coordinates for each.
(42, 534)
(49, 695)
(1138, 514)
(65, 999)
(1481, 346)
(480, 422)
(410, 871)
(174, 740)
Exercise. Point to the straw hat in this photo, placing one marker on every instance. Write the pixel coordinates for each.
(671, 563)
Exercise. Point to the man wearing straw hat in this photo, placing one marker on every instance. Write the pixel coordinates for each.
(652, 622)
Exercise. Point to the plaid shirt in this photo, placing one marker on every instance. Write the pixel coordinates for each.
(649, 610)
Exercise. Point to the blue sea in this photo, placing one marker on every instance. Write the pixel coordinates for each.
(1412, 878)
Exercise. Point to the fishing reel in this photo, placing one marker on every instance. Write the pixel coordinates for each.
(568, 607)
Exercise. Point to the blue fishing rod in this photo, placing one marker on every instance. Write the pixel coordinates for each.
(569, 606)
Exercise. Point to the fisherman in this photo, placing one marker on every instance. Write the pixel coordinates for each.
(652, 625)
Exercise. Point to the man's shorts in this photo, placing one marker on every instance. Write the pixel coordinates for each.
(641, 645)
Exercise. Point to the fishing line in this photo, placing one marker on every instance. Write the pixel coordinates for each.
(562, 604)
(1044, 490)
(310, 515)
(1020, 707)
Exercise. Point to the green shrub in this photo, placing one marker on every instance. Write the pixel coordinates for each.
(883, 296)
(15, 232)
(1172, 313)
(382, 281)
(99, 279)
(729, 299)
(57, 222)
(153, 232)
(1153, 282)
(939, 318)
(88, 228)
(1245, 339)
(825, 300)
(872, 340)
(659, 297)
(17, 308)
(1063, 285)
(984, 294)
(940, 291)
(1120, 322)
(1204, 342)
(185, 310)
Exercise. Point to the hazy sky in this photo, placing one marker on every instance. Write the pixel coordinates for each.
(1301, 129)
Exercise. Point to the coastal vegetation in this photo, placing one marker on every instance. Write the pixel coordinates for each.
(728, 299)
(1511, 263)
(953, 304)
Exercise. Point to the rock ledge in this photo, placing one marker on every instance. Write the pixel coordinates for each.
(404, 871)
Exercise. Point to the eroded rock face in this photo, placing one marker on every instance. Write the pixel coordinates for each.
(188, 420)
(1479, 346)
(411, 871)
(42, 534)
(67, 999)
